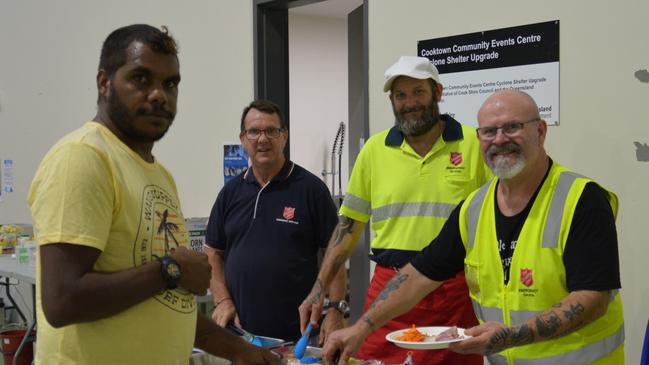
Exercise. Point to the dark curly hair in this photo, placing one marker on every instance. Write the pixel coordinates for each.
(113, 52)
(264, 106)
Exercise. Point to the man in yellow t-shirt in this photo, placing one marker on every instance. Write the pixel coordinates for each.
(115, 280)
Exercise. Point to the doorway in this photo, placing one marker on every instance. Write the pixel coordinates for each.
(295, 64)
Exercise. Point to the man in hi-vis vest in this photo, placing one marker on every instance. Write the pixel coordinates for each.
(538, 246)
(406, 181)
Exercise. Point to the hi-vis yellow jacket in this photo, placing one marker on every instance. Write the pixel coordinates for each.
(538, 277)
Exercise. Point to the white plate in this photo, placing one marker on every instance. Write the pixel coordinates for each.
(428, 343)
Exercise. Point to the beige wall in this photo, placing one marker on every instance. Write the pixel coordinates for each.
(604, 108)
(318, 91)
(49, 56)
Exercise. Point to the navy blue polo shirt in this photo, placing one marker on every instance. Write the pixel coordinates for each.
(271, 237)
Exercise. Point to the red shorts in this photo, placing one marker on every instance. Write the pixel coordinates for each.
(449, 305)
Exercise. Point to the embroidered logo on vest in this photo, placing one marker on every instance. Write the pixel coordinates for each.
(526, 277)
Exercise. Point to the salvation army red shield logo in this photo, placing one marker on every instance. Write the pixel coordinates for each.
(526, 277)
(289, 213)
(456, 158)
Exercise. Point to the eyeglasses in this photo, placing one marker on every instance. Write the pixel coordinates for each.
(510, 129)
(253, 134)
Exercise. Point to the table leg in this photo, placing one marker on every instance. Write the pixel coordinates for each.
(11, 299)
(30, 329)
(23, 342)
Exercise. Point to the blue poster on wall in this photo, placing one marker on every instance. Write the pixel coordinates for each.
(235, 161)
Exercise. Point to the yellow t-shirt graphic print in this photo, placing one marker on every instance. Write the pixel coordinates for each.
(93, 190)
(161, 225)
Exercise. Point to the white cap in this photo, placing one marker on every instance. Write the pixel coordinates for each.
(411, 66)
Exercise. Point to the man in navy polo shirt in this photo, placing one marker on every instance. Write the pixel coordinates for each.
(265, 232)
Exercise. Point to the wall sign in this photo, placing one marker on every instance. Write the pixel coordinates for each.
(472, 66)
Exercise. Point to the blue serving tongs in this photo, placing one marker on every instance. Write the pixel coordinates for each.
(247, 336)
(300, 347)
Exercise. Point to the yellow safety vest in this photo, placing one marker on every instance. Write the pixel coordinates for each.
(538, 276)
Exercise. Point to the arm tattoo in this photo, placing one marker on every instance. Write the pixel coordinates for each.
(345, 226)
(316, 292)
(391, 286)
(548, 325)
(346, 223)
(370, 323)
(574, 312)
(509, 337)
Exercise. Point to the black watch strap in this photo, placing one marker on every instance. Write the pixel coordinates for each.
(170, 271)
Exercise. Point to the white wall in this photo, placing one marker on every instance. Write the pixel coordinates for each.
(318, 91)
(49, 56)
(603, 106)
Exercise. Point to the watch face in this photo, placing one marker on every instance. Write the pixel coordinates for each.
(343, 306)
(173, 270)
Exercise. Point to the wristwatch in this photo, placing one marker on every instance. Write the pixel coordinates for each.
(341, 306)
(170, 270)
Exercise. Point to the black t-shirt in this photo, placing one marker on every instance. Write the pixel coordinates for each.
(271, 238)
(508, 229)
(590, 257)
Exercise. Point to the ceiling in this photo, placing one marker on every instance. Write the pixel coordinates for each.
(328, 8)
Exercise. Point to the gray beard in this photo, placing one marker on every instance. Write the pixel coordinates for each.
(502, 166)
(414, 127)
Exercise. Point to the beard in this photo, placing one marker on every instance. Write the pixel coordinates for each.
(505, 167)
(124, 119)
(418, 127)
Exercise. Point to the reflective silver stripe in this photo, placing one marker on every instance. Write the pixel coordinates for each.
(477, 309)
(496, 314)
(357, 204)
(584, 355)
(473, 212)
(581, 356)
(496, 359)
(487, 313)
(558, 203)
(417, 209)
(518, 317)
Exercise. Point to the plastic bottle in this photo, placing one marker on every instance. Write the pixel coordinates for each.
(23, 253)
(31, 252)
